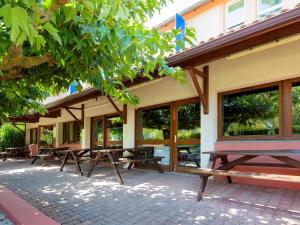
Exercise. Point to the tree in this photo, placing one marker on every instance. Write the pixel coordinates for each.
(46, 45)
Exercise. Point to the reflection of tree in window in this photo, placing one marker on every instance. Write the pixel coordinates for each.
(188, 121)
(115, 128)
(156, 123)
(251, 113)
(46, 136)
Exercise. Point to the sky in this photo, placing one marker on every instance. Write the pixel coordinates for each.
(170, 10)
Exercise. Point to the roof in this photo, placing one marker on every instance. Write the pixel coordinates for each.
(274, 27)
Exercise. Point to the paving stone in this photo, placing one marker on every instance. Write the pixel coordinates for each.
(146, 198)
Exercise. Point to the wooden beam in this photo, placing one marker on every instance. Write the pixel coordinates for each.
(125, 114)
(116, 107)
(73, 115)
(200, 73)
(198, 88)
(206, 88)
(74, 108)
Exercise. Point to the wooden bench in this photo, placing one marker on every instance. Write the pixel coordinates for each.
(205, 173)
(132, 160)
(4, 155)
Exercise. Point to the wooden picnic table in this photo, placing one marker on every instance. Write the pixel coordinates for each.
(116, 157)
(47, 153)
(285, 158)
(76, 155)
(14, 151)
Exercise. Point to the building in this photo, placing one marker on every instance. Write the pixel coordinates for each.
(242, 92)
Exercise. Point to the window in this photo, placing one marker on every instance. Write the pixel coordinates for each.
(46, 136)
(251, 112)
(72, 132)
(268, 7)
(114, 131)
(296, 108)
(235, 13)
(33, 136)
(154, 124)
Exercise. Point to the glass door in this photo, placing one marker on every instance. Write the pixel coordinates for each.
(97, 133)
(187, 126)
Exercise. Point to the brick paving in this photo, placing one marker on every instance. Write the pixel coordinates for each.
(146, 198)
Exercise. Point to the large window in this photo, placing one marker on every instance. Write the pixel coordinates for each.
(114, 131)
(235, 13)
(46, 136)
(270, 111)
(72, 132)
(154, 128)
(268, 7)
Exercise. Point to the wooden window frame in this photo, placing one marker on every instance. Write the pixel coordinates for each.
(285, 112)
(74, 136)
(106, 142)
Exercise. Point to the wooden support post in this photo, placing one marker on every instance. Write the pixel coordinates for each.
(82, 115)
(125, 114)
(206, 88)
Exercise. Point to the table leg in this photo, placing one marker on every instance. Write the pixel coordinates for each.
(158, 167)
(287, 160)
(94, 164)
(203, 179)
(116, 169)
(224, 160)
(64, 161)
(35, 158)
(75, 158)
(130, 165)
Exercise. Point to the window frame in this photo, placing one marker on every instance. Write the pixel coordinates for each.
(281, 135)
(74, 136)
(260, 12)
(227, 5)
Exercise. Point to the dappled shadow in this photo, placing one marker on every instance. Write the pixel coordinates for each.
(146, 198)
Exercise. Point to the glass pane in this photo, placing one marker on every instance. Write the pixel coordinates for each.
(296, 107)
(154, 124)
(235, 14)
(33, 136)
(268, 7)
(188, 155)
(46, 136)
(188, 121)
(77, 132)
(67, 133)
(251, 113)
(97, 133)
(114, 128)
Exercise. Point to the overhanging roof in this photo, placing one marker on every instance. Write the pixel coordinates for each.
(270, 29)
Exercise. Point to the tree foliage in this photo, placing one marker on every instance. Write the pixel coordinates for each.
(46, 45)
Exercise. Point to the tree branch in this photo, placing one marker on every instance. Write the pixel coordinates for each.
(56, 4)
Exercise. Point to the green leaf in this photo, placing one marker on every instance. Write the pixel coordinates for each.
(53, 32)
(70, 12)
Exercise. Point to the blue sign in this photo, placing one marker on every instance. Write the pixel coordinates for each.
(73, 87)
(180, 24)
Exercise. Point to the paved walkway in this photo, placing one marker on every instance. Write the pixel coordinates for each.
(147, 198)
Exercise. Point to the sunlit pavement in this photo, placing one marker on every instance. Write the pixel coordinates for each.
(146, 198)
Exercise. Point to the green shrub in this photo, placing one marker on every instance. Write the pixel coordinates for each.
(10, 136)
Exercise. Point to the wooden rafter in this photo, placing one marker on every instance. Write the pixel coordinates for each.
(123, 115)
(203, 95)
(81, 121)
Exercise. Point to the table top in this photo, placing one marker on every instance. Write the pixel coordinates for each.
(256, 152)
(54, 149)
(112, 150)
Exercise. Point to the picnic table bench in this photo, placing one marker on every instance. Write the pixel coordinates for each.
(283, 156)
(11, 151)
(116, 157)
(47, 153)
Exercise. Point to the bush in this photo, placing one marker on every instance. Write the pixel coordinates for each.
(10, 136)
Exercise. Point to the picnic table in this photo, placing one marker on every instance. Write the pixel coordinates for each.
(47, 153)
(11, 151)
(285, 158)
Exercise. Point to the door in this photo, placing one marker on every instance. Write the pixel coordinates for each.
(186, 142)
(97, 140)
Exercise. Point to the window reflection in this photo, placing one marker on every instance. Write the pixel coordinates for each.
(154, 123)
(296, 107)
(188, 155)
(254, 112)
(46, 136)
